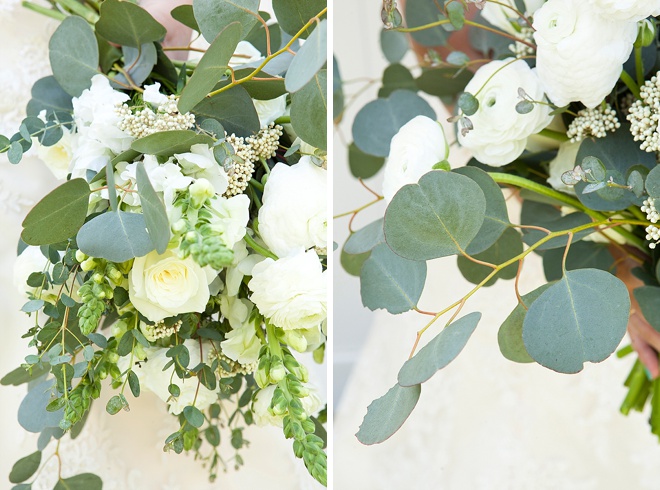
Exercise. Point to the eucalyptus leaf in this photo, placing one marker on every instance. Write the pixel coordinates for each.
(85, 481)
(215, 15)
(549, 217)
(508, 246)
(294, 14)
(352, 264)
(573, 322)
(648, 298)
(439, 352)
(309, 109)
(422, 12)
(211, 68)
(74, 55)
(652, 182)
(581, 255)
(443, 82)
(155, 215)
(127, 24)
(233, 109)
(167, 143)
(25, 467)
(361, 164)
(185, 15)
(311, 57)
(48, 95)
(391, 282)
(387, 414)
(193, 416)
(337, 92)
(59, 215)
(396, 77)
(32, 414)
(393, 44)
(436, 217)
(115, 236)
(21, 375)
(378, 121)
(365, 239)
(139, 62)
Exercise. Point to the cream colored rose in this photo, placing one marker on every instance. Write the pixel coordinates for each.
(161, 286)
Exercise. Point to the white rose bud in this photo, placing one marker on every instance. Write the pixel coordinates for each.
(574, 38)
(419, 144)
(500, 133)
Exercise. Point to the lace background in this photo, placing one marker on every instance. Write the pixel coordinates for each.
(125, 450)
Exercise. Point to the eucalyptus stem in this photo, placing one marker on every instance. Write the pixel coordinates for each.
(555, 135)
(639, 66)
(258, 248)
(630, 83)
(53, 14)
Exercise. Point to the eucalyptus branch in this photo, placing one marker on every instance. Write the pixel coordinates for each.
(500, 33)
(258, 248)
(639, 66)
(53, 14)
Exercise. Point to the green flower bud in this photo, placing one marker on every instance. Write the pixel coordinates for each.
(295, 339)
(112, 357)
(180, 227)
(277, 371)
(88, 264)
(80, 256)
(645, 33)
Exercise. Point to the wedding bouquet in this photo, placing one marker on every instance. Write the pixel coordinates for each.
(558, 100)
(185, 253)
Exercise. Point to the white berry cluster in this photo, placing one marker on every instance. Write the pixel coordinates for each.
(160, 331)
(519, 49)
(266, 142)
(594, 122)
(645, 114)
(145, 121)
(235, 367)
(652, 231)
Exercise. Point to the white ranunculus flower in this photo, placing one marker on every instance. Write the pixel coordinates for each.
(161, 286)
(242, 344)
(231, 217)
(292, 291)
(263, 415)
(58, 156)
(153, 378)
(418, 145)
(503, 17)
(580, 52)
(294, 211)
(269, 110)
(153, 96)
(500, 133)
(627, 10)
(563, 162)
(199, 162)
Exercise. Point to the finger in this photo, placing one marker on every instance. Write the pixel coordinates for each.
(647, 356)
(645, 331)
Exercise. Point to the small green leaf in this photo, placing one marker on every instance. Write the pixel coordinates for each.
(98, 339)
(581, 255)
(549, 217)
(443, 82)
(468, 103)
(387, 414)
(127, 24)
(59, 215)
(648, 298)
(48, 95)
(363, 165)
(155, 215)
(134, 383)
(174, 390)
(85, 481)
(366, 238)
(396, 77)
(25, 467)
(653, 182)
(594, 169)
(524, 107)
(456, 13)
(115, 236)
(215, 15)
(234, 109)
(185, 15)
(311, 57)
(15, 153)
(139, 63)
(439, 352)
(309, 109)
(21, 375)
(114, 405)
(352, 264)
(193, 416)
(394, 45)
(33, 305)
(167, 143)
(508, 246)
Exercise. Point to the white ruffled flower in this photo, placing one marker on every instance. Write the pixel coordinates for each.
(199, 162)
(161, 286)
(291, 292)
(242, 344)
(627, 10)
(263, 415)
(504, 18)
(269, 110)
(419, 144)
(563, 162)
(500, 133)
(231, 217)
(153, 378)
(580, 53)
(153, 96)
(294, 211)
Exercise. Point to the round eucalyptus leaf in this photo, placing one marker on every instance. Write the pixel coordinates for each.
(294, 14)
(32, 413)
(439, 352)
(361, 164)
(648, 298)
(390, 282)
(127, 24)
(215, 15)
(352, 264)
(309, 109)
(25, 467)
(550, 218)
(185, 15)
(337, 92)
(138, 62)
(193, 416)
(155, 215)
(365, 239)
(234, 109)
(468, 103)
(74, 55)
(421, 12)
(437, 217)
(443, 82)
(394, 45)
(582, 255)
(509, 336)
(379, 120)
(49, 96)
(311, 57)
(652, 183)
(396, 77)
(509, 245)
(387, 414)
(580, 318)
(85, 481)
(167, 143)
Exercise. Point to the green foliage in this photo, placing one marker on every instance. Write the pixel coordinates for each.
(21, 375)
(74, 55)
(394, 45)
(422, 12)
(510, 334)
(581, 255)
(439, 352)
(391, 282)
(309, 60)
(185, 15)
(115, 236)
(193, 416)
(59, 215)
(155, 216)
(435, 217)
(127, 24)
(379, 120)
(260, 90)
(85, 481)
(468, 103)
(211, 68)
(294, 14)
(353, 263)
(25, 467)
(550, 218)
(309, 109)
(138, 62)
(213, 16)
(573, 321)
(443, 82)
(366, 238)
(648, 298)
(234, 109)
(32, 413)
(167, 143)
(387, 414)
(652, 183)
(456, 13)
(396, 77)
(337, 92)
(507, 247)
(363, 165)
(49, 96)
(206, 247)
(259, 39)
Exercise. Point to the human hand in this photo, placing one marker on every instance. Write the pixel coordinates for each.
(177, 33)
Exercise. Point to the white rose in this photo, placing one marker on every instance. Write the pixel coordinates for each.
(294, 211)
(153, 96)
(563, 162)
(418, 145)
(580, 53)
(263, 415)
(231, 217)
(199, 162)
(269, 110)
(627, 10)
(242, 344)
(161, 286)
(291, 291)
(153, 378)
(500, 133)
(58, 156)
(504, 18)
